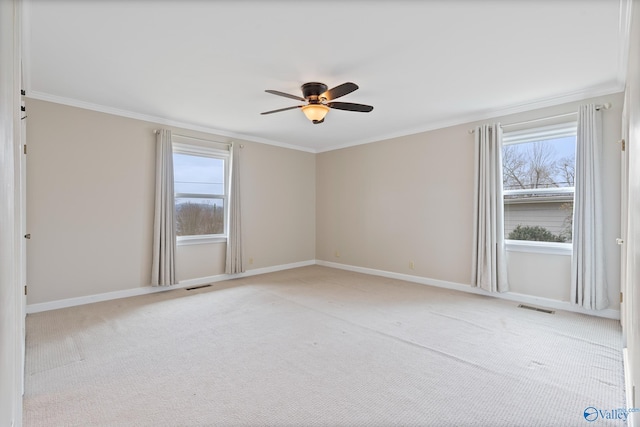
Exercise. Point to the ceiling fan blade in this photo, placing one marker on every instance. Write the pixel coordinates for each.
(338, 91)
(281, 109)
(350, 106)
(286, 95)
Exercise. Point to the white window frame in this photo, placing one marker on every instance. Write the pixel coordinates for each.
(534, 134)
(185, 145)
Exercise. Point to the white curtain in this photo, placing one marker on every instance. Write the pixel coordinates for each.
(234, 263)
(489, 255)
(588, 282)
(164, 229)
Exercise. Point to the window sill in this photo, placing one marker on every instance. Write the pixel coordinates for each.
(549, 248)
(199, 240)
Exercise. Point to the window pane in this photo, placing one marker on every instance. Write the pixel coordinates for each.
(538, 182)
(548, 220)
(539, 164)
(197, 216)
(197, 174)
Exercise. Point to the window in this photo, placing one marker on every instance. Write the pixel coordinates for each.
(538, 167)
(201, 188)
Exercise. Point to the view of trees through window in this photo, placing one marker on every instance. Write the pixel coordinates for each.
(199, 182)
(197, 217)
(540, 164)
(538, 184)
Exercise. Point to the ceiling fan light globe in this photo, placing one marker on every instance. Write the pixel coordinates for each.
(315, 112)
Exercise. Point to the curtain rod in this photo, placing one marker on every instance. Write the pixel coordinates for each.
(155, 131)
(598, 107)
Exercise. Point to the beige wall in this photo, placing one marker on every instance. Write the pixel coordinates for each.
(382, 205)
(540, 275)
(402, 205)
(279, 200)
(90, 205)
(386, 204)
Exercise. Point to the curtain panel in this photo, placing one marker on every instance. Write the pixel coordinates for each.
(234, 262)
(489, 254)
(163, 271)
(588, 279)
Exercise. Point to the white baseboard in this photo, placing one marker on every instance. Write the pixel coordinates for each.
(256, 271)
(88, 299)
(511, 296)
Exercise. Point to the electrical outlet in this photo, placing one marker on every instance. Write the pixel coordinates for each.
(250, 260)
(337, 254)
(411, 265)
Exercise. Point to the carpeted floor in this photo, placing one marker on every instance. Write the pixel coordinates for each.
(316, 346)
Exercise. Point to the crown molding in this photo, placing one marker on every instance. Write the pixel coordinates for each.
(581, 95)
(594, 92)
(42, 96)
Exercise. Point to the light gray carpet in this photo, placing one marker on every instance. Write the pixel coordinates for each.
(319, 347)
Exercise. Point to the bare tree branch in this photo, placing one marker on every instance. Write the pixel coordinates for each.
(535, 166)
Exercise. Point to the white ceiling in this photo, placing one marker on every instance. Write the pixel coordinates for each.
(205, 65)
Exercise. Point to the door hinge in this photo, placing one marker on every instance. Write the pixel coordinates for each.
(621, 297)
(25, 289)
(623, 144)
(25, 148)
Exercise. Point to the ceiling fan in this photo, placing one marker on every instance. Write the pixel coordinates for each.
(318, 100)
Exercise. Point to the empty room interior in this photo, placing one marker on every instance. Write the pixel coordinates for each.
(319, 213)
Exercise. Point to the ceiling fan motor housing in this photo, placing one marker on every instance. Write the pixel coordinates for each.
(312, 91)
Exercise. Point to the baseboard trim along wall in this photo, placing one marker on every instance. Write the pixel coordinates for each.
(70, 302)
(511, 296)
(516, 297)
